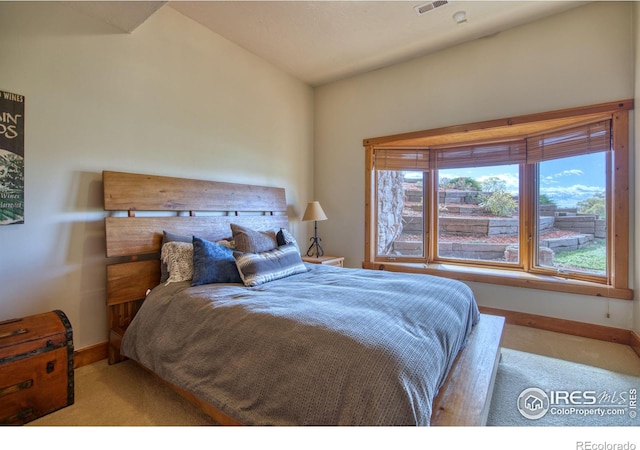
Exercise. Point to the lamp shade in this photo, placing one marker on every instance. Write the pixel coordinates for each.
(314, 212)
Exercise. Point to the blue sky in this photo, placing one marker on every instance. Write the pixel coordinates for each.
(564, 181)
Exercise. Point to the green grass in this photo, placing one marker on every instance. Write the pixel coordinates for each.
(593, 257)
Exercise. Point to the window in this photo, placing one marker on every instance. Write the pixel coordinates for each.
(479, 202)
(401, 213)
(401, 180)
(479, 214)
(531, 201)
(572, 172)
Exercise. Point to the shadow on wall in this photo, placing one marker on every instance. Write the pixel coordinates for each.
(86, 254)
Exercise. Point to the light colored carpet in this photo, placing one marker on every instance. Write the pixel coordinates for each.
(591, 352)
(124, 394)
(576, 394)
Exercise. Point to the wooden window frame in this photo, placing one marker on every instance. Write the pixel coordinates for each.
(616, 284)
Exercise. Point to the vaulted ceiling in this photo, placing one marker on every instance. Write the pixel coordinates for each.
(322, 41)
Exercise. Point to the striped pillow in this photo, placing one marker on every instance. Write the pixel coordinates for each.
(259, 268)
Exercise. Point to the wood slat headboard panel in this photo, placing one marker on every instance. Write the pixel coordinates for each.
(129, 281)
(137, 192)
(129, 236)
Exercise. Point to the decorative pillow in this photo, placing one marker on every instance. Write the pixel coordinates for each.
(259, 268)
(284, 237)
(179, 259)
(213, 263)
(227, 243)
(168, 236)
(248, 240)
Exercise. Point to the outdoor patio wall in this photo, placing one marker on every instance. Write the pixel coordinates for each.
(489, 78)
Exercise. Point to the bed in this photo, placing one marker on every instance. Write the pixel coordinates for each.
(285, 344)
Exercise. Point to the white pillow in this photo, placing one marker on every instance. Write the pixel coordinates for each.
(178, 256)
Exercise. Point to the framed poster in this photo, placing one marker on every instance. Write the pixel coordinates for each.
(11, 158)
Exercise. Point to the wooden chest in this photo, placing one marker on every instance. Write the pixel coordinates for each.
(36, 367)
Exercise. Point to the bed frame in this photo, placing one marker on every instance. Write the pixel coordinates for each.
(141, 207)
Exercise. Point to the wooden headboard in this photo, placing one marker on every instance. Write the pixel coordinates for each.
(143, 206)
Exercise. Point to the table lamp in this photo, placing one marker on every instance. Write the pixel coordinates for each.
(314, 212)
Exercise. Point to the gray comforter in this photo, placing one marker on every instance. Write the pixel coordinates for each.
(328, 347)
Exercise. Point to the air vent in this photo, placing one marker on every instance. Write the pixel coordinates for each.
(426, 7)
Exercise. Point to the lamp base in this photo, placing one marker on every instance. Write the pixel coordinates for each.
(315, 244)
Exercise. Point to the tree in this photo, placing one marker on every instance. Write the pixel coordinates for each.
(499, 202)
(544, 199)
(594, 205)
(460, 184)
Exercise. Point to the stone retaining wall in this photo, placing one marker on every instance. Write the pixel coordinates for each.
(483, 226)
(466, 197)
(567, 244)
(465, 250)
(587, 224)
(395, 220)
(490, 251)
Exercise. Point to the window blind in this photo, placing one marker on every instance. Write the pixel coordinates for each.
(592, 138)
(401, 159)
(477, 155)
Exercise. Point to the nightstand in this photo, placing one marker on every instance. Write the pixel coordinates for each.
(337, 261)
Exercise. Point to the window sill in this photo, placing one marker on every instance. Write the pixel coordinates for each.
(506, 277)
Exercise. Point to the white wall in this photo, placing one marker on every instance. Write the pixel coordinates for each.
(172, 98)
(581, 57)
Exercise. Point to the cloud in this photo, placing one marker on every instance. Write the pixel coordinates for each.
(569, 196)
(575, 189)
(567, 173)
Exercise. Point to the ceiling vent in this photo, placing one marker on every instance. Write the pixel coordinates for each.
(426, 7)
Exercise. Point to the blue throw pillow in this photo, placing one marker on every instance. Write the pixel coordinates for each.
(213, 263)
